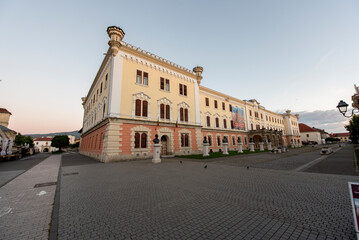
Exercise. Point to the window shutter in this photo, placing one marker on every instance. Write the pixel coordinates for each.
(143, 140)
(138, 107)
(168, 111)
(162, 111)
(144, 108)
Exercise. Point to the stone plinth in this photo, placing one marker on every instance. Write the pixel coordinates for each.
(251, 147)
(225, 149)
(205, 149)
(156, 153)
(240, 148)
(261, 148)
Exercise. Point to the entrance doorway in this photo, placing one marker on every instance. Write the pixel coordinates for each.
(164, 141)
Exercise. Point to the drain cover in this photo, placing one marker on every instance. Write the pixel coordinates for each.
(68, 174)
(45, 184)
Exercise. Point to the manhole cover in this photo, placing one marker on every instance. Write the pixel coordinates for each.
(68, 174)
(45, 184)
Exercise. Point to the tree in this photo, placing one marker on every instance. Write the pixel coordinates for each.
(60, 141)
(20, 140)
(353, 128)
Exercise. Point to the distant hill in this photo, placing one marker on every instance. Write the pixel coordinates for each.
(73, 133)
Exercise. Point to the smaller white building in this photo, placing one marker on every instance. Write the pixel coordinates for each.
(43, 144)
(71, 139)
(311, 135)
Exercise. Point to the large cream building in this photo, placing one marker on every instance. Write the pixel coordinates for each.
(136, 95)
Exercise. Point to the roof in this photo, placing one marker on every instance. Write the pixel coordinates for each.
(305, 128)
(4, 110)
(46, 139)
(5, 129)
(347, 134)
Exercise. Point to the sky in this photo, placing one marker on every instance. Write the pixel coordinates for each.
(297, 55)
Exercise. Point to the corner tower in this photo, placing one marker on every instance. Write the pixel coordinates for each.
(116, 35)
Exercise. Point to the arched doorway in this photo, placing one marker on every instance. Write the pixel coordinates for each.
(164, 145)
(256, 140)
(46, 150)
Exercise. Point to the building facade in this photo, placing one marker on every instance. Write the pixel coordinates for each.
(312, 135)
(43, 144)
(136, 95)
(343, 137)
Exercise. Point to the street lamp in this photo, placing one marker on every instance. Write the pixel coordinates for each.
(343, 108)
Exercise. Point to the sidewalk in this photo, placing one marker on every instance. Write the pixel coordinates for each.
(25, 211)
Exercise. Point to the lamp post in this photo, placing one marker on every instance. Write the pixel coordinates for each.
(343, 108)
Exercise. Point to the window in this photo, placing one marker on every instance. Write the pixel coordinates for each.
(307, 135)
(101, 89)
(183, 89)
(138, 105)
(261, 116)
(140, 140)
(215, 104)
(223, 106)
(207, 102)
(183, 114)
(266, 118)
(230, 107)
(224, 123)
(218, 141)
(144, 108)
(233, 140)
(251, 126)
(184, 140)
(209, 140)
(250, 113)
(232, 125)
(165, 111)
(208, 121)
(142, 76)
(104, 108)
(217, 122)
(106, 80)
(165, 84)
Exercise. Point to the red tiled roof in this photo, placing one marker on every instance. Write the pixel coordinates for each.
(4, 110)
(347, 134)
(43, 139)
(305, 128)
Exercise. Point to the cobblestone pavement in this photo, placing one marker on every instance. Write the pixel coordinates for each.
(25, 211)
(141, 200)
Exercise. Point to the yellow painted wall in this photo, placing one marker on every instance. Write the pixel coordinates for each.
(130, 87)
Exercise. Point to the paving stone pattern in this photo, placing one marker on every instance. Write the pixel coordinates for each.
(23, 213)
(141, 200)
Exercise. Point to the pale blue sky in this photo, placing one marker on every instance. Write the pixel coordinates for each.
(298, 55)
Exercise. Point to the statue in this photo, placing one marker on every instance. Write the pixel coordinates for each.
(4, 146)
(156, 140)
(225, 140)
(239, 140)
(205, 139)
(9, 151)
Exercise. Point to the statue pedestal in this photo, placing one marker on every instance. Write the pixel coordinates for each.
(261, 148)
(205, 149)
(156, 153)
(269, 146)
(279, 150)
(240, 148)
(284, 149)
(225, 149)
(251, 147)
(292, 145)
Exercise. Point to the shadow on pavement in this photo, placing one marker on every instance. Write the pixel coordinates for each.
(76, 159)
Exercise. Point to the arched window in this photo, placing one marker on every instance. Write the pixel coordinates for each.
(143, 140)
(138, 107)
(209, 140)
(181, 114)
(218, 141)
(103, 111)
(186, 115)
(217, 122)
(208, 121)
(232, 126)
(162, 109)
(224, 123)
(233, 140)
(184, 140)
(137, 140)
(168, 112)
(144, 108)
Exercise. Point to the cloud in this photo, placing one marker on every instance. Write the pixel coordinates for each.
(329, 120)
(322, 60)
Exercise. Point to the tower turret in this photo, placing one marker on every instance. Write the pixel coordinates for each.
(116, 35)
(198, 70)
